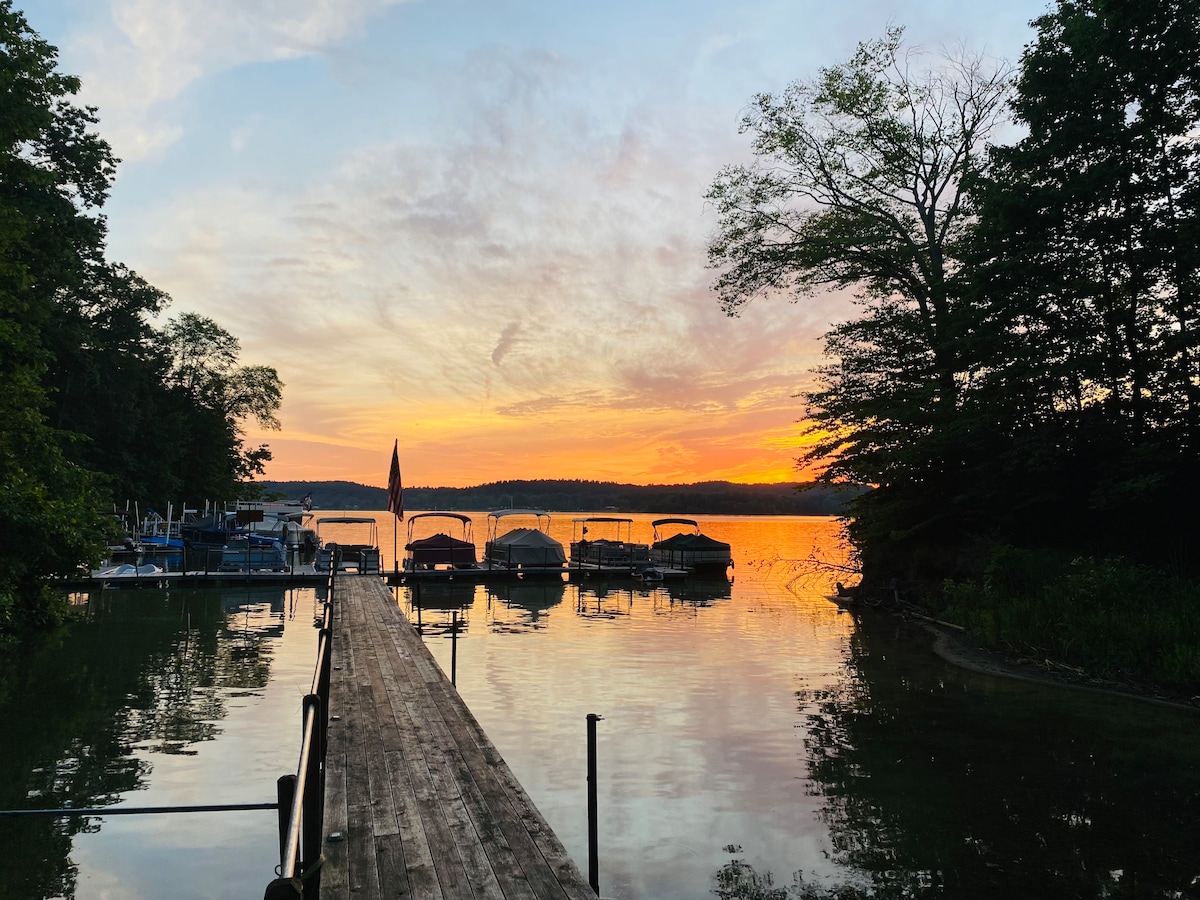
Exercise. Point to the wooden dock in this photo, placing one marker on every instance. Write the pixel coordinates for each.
(418, 803)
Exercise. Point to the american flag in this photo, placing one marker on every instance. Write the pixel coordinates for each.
(395, 489)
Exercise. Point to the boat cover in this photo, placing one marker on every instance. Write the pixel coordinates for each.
(527, 547)
(441, 549)
(685, 541)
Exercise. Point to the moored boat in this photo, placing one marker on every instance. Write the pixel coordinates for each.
(441, 550)
(157, 533)
(689, 549)
(619, 551)
(524, 548)
(242, 554)
(357, 539)
(288, 523)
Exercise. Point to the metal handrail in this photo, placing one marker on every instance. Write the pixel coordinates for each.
(302, 795)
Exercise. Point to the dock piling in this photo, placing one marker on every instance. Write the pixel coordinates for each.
(593, 828)
(285, 790)
(454, 648)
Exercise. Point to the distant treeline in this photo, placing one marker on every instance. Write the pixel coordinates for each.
(709, 497)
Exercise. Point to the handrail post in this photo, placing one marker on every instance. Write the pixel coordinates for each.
(314, 787)
(285, 791)
(282, 889)
(322, 687)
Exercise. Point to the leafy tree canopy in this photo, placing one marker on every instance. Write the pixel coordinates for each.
(1024, 364)
(96, 406)
(54, 172)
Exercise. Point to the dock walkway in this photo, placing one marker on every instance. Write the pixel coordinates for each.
(423, 804)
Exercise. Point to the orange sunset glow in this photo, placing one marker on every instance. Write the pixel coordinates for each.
(751, 438)
(485, 239)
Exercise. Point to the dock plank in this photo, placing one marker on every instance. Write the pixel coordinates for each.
(360, 836)
(450, 786)
(428, 807)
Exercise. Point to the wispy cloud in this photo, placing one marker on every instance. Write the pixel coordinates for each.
(485, 236)
(153, 50)
(532, 266)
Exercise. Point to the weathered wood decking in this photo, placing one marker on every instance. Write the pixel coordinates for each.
(427, 807)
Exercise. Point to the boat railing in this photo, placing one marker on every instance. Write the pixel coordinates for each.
(302, 795)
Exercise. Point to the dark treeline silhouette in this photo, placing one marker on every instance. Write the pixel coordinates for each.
(1022, 369)
(97, 405)
(1020, 379)
(708, 497)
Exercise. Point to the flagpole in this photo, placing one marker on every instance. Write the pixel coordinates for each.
(395, 504)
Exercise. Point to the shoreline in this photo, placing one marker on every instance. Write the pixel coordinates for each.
(958, 648)
(953, 644)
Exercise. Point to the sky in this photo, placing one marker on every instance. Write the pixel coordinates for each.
(476, 228)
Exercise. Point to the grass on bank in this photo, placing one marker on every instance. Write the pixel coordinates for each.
(1110, 617)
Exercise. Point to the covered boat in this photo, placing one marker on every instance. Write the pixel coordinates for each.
(524, 548)
(441, 550)
(689, 549)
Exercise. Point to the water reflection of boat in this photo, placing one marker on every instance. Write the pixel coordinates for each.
(441, 550)
(525, 549)
(442, 595)
(604, 600)
(240, 599)
(700, 591)
(617, 552)
(535, 596)
(689, 549)
(361, 553)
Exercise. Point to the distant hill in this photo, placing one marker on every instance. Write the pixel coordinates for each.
(708, 497)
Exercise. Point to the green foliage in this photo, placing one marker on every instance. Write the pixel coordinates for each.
(1087, 272)
(88, 412)
(863, 183)
(1113, 618)
(1023, 367)
(53, 173)
(204, 379)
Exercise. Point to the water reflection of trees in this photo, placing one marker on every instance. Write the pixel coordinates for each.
(940, 783)
(141, 672)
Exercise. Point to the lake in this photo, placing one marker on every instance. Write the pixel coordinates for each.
(748, 713)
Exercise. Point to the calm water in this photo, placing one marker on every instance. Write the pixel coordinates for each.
(749, 713)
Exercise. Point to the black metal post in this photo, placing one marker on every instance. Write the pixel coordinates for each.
(314, 792)
(322, 687)
(593, 830)
(282, 889)
(285, 790)
(454, 648)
